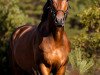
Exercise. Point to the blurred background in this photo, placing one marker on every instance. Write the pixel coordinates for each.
(82, 27)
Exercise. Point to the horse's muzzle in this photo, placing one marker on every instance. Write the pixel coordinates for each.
(59, 22)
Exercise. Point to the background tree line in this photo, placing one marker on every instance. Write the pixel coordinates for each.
(82, 27)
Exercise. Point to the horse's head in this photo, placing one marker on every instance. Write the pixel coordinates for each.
(57, 10)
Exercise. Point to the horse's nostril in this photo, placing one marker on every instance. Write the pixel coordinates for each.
(63, 19)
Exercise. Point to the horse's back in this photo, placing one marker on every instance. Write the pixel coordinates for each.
(21, 46)
(20, 31)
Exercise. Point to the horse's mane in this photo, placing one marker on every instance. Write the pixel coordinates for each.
(45, 11)
(42, 27)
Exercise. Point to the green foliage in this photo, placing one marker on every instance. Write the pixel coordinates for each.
(78, 6)
(33, 8)
(10, 18)
(88, 41)
(79, 62)
(91, 19)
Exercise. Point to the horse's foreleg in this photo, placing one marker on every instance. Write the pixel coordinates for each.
(61, 71)
(44, 70)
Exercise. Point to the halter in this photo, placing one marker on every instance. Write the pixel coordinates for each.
(53, 11)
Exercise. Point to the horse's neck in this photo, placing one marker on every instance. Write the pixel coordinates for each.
(47, 29)
(58, 34)
(44, 29)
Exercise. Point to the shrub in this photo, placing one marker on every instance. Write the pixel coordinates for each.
(86, 45)
(79, 62)
(10, 17)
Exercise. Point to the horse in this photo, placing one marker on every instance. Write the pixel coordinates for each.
(42, 49)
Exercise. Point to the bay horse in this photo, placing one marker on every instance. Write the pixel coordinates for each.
(42, 49)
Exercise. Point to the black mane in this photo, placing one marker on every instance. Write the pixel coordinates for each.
(45, 11)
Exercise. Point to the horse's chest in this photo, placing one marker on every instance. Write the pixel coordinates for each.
(52, 54)
(55, 57)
